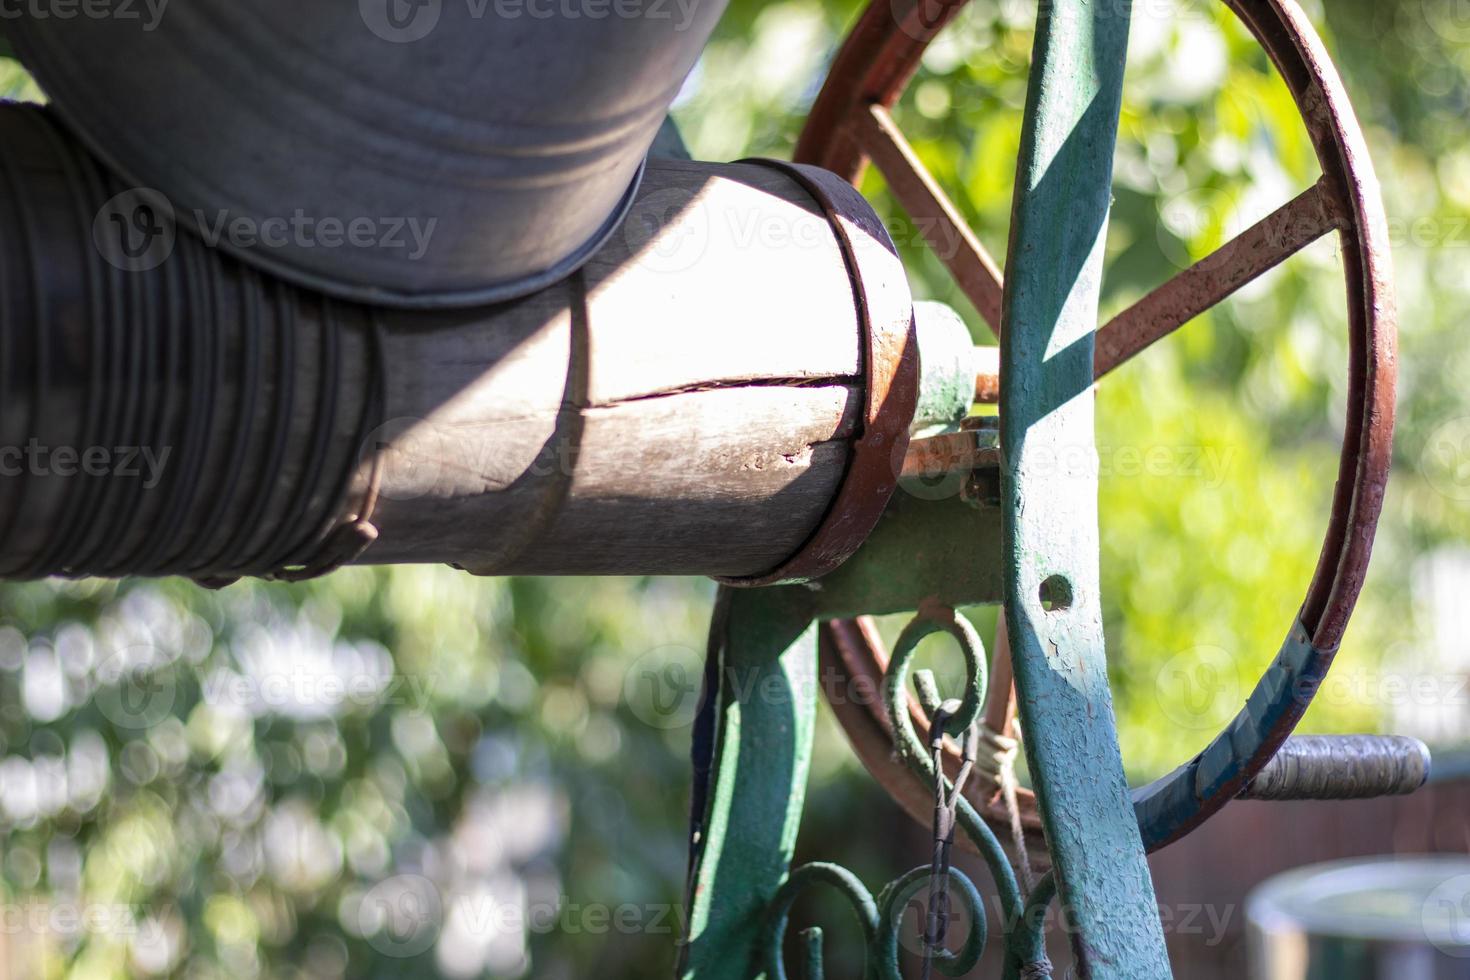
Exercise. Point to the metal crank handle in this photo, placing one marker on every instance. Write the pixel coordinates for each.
(1342, 767)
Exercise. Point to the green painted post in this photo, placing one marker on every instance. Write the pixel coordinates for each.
(765, 645)
(1063, 187)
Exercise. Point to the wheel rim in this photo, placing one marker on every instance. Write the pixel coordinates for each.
(850, 125)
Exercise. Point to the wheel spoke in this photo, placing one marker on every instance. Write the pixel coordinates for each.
(987, 375)
(1262, 246)
(933, 213)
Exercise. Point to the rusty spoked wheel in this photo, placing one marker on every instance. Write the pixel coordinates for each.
(850, 125)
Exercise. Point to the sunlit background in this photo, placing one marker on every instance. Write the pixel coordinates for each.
(415, 772)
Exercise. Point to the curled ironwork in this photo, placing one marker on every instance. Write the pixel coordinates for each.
(881, 919)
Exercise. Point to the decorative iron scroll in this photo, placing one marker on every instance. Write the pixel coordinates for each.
(881, 918)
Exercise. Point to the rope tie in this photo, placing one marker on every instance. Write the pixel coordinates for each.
(998, 761)
(1036, 970)
(999, 756)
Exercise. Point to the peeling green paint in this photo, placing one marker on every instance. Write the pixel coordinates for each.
(1051, 545)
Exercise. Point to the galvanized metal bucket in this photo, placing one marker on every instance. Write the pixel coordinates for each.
(407, 152)
(1400, 918)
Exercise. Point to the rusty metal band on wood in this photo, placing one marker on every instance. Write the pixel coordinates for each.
(891, 375)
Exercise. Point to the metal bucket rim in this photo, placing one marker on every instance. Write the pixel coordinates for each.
(499, 292)
(349, 290)
(1286, 901)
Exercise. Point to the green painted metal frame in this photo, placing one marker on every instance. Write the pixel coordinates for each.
(760, 708)
(754, 749)
(756, 723)
(1049, 480)
(753, 757)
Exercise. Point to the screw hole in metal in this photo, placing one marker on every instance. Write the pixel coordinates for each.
(1055, 593)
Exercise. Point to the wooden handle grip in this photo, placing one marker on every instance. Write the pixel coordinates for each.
(1342, 767)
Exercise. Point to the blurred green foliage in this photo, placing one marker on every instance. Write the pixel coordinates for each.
(494, 793)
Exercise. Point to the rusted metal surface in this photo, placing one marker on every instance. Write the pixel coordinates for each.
(974, 270)
(1274, 710)
(1211, 280)
(1000, 702)
(951, 453)
(1206, 283)
(872, 69)
(891, 376)
(987, 375)
(1288, 37)
(875, 63)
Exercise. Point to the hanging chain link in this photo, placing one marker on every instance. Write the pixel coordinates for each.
(993, 755)
(946, 805)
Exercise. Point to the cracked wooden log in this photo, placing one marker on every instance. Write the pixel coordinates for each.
(685, 404)
(644, 416)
